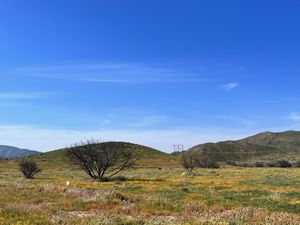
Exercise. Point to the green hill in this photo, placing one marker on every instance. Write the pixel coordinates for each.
(265, 146)
(142, 156)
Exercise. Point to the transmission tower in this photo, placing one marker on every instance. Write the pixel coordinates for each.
(178, 147)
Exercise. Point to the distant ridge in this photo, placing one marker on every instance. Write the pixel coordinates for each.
(14, 152)
(266, 146)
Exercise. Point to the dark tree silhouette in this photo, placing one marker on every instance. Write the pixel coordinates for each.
(101, 160)
(190, 160)
(29, 168)
(193, 159)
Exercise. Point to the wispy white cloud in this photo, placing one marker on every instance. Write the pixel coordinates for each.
(112, 73)
(294, 116)
(230, 86)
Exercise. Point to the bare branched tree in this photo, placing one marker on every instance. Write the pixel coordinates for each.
(101, 160)
(29, 168)
(190, 160)
(193, 159)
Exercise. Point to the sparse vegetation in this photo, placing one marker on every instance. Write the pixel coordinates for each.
(156, 192)
(29, 168)
(150, 196)
(263, 147)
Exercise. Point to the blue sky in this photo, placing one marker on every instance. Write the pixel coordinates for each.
(151, 72)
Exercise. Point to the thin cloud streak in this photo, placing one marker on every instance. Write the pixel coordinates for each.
(111, 73)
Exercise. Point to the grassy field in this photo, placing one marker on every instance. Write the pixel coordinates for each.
(152, 196)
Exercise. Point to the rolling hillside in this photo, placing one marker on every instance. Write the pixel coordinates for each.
(13, 152)
(265, 146)
(143, 157)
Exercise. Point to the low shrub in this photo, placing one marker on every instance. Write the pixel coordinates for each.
(283, 164)
(29, 168)
(232, 163)
(259, 164)
(271, 164)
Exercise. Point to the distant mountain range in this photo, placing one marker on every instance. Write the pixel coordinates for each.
(265, 146)
(13, 152)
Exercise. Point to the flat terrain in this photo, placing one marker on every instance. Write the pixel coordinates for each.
(152, 196)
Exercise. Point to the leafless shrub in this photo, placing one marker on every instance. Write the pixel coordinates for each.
(190, 160)
(101, 161)
(29, 168)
